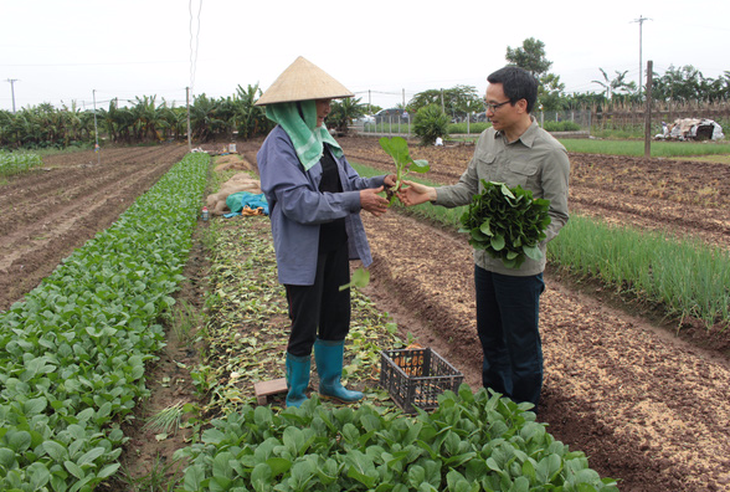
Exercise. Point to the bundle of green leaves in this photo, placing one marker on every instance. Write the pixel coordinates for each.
(507, 223)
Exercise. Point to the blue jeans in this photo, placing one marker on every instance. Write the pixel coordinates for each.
(507, 324)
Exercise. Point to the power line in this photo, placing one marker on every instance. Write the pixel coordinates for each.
(196, 40)
(93, 64)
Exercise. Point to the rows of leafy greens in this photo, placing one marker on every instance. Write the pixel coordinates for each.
(471, 442)
(16, 162)
(508, 223)
(72, 353)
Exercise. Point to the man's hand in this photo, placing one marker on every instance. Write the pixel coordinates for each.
(372, 202)
(416, 193)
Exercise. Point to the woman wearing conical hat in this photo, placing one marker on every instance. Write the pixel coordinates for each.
(315, 198)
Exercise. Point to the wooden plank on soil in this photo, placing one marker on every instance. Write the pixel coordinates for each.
(267, 388)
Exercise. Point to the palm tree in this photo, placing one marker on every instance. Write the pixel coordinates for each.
(147, 119)
(70, 123)
(119, 123)
(225, 118)
(169, 121)
(617, 85)
(343, 112)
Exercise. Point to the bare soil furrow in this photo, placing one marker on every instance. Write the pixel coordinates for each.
(33, 197)
(710, 225)
(84, 211)
(37, 234)
(45, 209)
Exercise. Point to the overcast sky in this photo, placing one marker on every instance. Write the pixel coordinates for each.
(65, 51)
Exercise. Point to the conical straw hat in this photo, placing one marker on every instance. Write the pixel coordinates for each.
(303, 81)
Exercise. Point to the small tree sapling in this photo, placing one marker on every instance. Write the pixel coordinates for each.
(397, 148)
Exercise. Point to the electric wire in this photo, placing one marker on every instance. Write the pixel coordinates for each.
(194, 41)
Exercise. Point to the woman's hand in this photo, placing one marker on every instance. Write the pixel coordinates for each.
(372, 202)
(389, 180)
(416, 193)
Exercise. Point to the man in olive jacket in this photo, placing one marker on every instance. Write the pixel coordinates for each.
(514, 151)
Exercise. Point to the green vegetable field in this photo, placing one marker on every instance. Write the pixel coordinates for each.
(130, 354)
(73, 353)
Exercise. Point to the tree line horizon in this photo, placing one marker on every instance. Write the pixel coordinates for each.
(235, 117)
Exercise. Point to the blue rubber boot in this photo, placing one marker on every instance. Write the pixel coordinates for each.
(297, 379)
(328, 355)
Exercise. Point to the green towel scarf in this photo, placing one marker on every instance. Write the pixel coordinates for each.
(307, 137)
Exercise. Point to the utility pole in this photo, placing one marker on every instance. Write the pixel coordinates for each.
(12, 91)
(96, 130)
(641, 20)
(187, 103)
(647, 112)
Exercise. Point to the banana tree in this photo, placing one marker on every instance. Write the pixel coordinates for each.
(203, 119)
(250, 120)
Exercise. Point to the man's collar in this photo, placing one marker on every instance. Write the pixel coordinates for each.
(528, 136)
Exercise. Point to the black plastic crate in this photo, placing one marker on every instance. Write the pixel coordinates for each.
(416, 377)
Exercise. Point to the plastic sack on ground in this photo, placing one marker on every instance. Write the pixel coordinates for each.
(244, 202)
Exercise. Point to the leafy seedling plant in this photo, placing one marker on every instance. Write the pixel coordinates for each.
(397, 148)
(360, 280)
(507, 223)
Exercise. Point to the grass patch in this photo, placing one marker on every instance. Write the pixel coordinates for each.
(185, 318)
(687, 277)
(713, 158)
(168, 420)
(156, 480)
(636, 147)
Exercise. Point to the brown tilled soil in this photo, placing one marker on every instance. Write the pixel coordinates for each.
(649, 408)
(49, 212)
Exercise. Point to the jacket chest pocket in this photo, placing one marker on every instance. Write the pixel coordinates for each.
(486, 170)
(513, 173)
(520, 172)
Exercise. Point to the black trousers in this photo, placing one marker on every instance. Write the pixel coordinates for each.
(508, 313)
(320, 310)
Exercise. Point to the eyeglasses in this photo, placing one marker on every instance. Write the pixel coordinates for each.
(494, 106)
